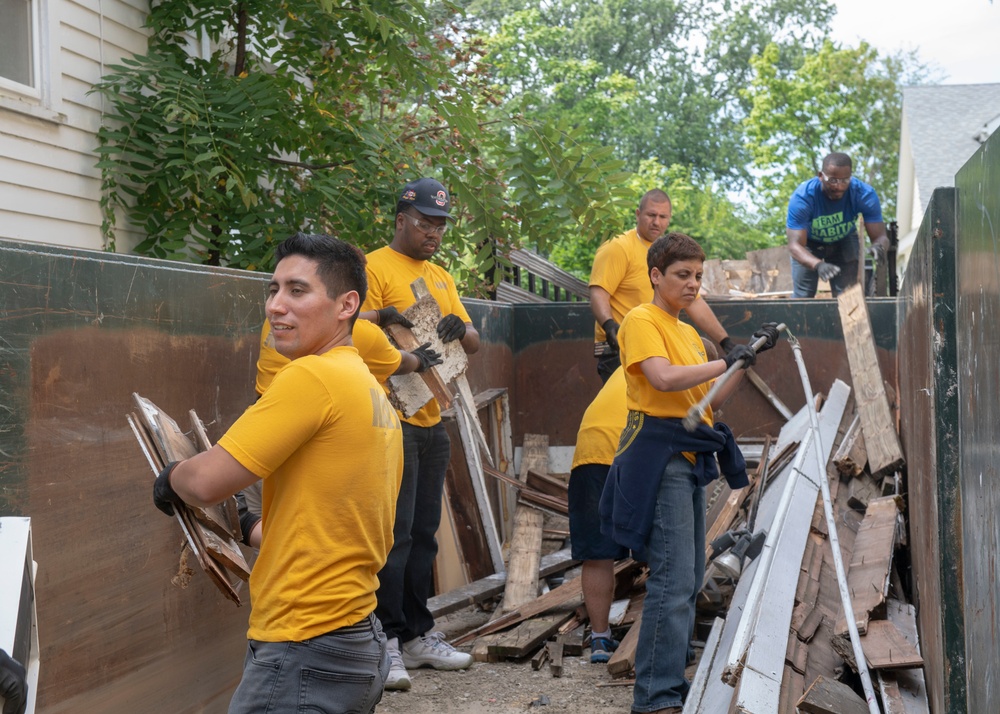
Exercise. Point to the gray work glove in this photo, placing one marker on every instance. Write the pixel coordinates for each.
(426, 356)
(877, 252)
(390, 316)
(827, 271)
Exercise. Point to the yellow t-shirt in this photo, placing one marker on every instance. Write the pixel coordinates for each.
(647, 331)
(329, 447)
(374, 347)
(620, 268)
(602, 424)
(389, 276)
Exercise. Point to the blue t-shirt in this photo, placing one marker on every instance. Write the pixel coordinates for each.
(827, 221)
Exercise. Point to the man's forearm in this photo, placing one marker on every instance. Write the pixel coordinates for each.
(704, 319)
(600, 304)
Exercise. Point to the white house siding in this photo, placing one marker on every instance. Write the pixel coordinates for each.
(49, 187)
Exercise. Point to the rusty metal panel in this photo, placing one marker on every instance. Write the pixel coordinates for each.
(80, 331)
(929, 430)
(977, 274)
(555, 373)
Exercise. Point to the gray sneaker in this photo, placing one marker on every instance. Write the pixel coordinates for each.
(398, 679)
(431, 650)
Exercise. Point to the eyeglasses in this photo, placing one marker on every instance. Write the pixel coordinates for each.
(835, 181)
(428, 228)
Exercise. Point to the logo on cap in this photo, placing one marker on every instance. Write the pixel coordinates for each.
(409, 195)
(441, 198)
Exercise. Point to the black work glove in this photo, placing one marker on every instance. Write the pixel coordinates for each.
(13, 687)
(740, 352)
(426, 356)
(768, 330)
(391, 316)
(610, 328)
(248, 519)
(727, 344)
(164, 496)
(827, 271)
(451, 327)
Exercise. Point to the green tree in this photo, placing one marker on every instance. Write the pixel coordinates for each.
(309, 114)
(836, 99)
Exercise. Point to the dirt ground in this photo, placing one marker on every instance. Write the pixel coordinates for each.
(508, 686)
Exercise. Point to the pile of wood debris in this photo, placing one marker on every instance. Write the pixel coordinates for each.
(771, 624)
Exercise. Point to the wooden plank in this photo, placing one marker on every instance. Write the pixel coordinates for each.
(868, 575)
(862, 489)
(525, 555)
(885, 647)
(793, 686)
(470, 531)
(828, 696)
(556, 652)
(622, 662)
(771, 269)
(878, 425)
(554, 598)
(492, 585)
(475, 467)
(547, 485)
(773, 399)
(526, 541)
(759, 683)
(432, 379)
(466, 402)
(528, 636)
(908, 691)
(851, 456)
(540, 658)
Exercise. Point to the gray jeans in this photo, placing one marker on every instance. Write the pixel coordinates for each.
(341, 672)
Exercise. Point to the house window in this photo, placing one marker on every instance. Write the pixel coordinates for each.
(19, 51)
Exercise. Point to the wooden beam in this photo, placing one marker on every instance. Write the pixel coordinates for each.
(885, 647)
(528, 636)
(554, 598)
(885, 453)
(851, 456)
(622, 662)
(475, 465)
(828, 696)
(469, 527)
(868, 575)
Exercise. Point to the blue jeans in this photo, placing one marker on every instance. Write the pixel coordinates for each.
(341, 672)
(406, 581)
(676, 554)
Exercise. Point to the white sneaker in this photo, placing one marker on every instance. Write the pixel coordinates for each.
(398, 678)
(431, 650)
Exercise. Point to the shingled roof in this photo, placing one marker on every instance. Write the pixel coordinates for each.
(947, 124)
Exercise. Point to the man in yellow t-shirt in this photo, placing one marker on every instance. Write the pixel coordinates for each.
(407, 580)
(382, 359)
(328, 446)
(619, 281)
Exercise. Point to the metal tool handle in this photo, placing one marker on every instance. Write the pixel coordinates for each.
(696, 412)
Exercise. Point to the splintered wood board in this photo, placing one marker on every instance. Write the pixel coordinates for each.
(208, 530)
(881, 440)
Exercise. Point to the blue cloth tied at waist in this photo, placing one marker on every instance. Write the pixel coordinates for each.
(647, 444)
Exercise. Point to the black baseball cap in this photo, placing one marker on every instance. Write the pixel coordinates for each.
(427, 196)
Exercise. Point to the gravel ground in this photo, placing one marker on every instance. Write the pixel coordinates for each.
(508, 686)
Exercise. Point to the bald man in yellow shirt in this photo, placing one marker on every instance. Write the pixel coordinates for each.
(619, 281)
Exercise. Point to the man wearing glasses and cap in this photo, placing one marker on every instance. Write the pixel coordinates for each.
(822, 228)
(406, 580)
